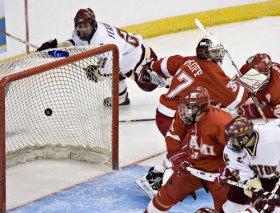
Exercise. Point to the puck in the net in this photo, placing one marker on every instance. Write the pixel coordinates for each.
(48, 112)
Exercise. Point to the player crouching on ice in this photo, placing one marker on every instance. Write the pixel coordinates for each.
(252, 157)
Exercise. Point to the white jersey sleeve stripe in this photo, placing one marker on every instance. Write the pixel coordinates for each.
(164, 69)
(176, 137)
(238, 99)
(166, 111)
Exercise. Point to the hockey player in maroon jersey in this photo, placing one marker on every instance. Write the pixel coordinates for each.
(195, 138)
(268, 95)
(132, 52)
(188, 72)
(252, 157)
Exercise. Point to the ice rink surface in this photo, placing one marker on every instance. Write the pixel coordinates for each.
(70, 184)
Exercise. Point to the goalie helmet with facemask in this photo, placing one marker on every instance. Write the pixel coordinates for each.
(193, 104)
(85, 23)
(239, 132)
(210, 49)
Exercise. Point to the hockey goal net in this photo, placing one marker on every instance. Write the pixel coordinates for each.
(52, 108)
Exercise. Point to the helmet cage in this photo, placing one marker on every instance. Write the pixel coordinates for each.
(189, 113)
(210, 49)
(217, 53)
(193, 104)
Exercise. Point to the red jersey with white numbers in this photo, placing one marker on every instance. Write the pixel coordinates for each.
(203, 141)
(268, 97)
(191, 72)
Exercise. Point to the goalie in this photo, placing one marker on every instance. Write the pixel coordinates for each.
(133, 52)
(266, 91)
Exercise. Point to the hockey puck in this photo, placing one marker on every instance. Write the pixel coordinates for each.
(48, 112)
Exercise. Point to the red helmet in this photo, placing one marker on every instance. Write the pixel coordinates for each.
(193, 103)
(239, 128)
(210, 48)
(205, 210)
(261, 62)
(84, 16)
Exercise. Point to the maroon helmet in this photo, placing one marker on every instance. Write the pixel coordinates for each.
(240, 128)
(205, 210)
(84, 16)
(193, 103)
(210, 48)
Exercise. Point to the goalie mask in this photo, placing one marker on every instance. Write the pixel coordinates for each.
(238, 131)
(85, 23)
(193, 104)
(211, 49)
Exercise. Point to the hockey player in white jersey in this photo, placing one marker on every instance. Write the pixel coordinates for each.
(252, 157)
(133, 52)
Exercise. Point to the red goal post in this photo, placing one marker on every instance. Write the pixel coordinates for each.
(51, 108)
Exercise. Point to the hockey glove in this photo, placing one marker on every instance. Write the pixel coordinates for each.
(249, 110)
(48, 45)
(92, 72)
(262, 203)
(179, 160)
(224, 176)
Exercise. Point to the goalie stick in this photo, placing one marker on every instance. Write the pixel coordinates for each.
(211, 177)
(238, 74)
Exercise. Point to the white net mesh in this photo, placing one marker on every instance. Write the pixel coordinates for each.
(58, 113)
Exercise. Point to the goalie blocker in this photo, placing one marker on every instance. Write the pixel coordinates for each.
(261, 76)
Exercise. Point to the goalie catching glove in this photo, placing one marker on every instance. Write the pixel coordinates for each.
(249, 110)
(146, 75)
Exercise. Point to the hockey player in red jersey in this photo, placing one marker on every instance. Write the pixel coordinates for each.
(269, 95)
(188, 72)
(195, 138)
(132, 51)
(252, 157)
(201, 70)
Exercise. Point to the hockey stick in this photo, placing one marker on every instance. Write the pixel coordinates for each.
(138, 120)
(255, 100)
(211, 177)
(276, 187)
(19, 39)
(27, 43)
